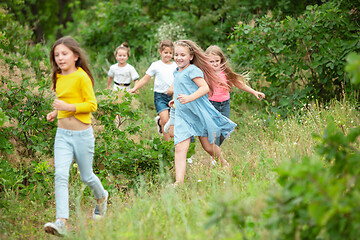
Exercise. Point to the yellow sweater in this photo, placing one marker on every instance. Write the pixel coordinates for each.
(76, 88)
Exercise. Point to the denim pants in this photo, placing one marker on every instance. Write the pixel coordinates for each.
(161, 101)
(70, 144)
(224, 109)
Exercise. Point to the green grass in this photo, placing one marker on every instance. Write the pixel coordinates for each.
(212, 202)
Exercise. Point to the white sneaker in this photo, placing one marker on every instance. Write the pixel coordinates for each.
(100, 209)
(167, 127)
(213, 162)
(58, 228)
(157, 121)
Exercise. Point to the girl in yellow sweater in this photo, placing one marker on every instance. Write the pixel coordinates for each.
(73, 83)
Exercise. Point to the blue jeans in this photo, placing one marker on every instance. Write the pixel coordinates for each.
(161, 101)
(81, 145)
(224, 109)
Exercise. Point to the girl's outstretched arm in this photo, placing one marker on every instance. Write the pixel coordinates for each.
(139, 84)
(201, 91)
(246, 88)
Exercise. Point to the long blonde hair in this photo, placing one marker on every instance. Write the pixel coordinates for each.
(202, 61)
(231, 76)
(75, 48)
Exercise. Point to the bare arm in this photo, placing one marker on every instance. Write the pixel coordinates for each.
(110, 80)
(201, 91)
(139, 84)
(170, 90)
(246, 88)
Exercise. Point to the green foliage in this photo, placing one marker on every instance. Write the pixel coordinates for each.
(353, 67)
(302, 59)
(47, 19)
(319, 200)
(109, 24)
(118, 154)
(3, 118)
(24, 99)
(13, 36)
(27, 110)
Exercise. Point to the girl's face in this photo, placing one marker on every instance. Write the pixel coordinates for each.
(166, 54)
(65, 59)
(122, 57)
(182, 57)
(215, 61)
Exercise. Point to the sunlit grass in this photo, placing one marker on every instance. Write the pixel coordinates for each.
(211, 203)
(204, 206)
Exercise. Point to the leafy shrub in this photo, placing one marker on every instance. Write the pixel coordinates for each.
(317, 199)
(353, 67)
(302, 58)
(122, 153)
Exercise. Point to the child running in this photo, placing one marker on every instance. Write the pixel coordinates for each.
(122, 73)
(194, 114)
(73, 83)
(164, 77)
(228, 78)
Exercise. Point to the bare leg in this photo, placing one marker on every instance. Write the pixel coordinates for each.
(180, 160)
(164, 117)
(171, 131)
(213, 150)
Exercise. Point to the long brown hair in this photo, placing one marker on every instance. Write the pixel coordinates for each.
(231, 76)
(202, 61)
(75, 48)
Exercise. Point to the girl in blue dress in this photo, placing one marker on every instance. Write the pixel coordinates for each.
(194, 114)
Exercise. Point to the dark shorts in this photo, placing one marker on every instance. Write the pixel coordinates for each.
(161, 101)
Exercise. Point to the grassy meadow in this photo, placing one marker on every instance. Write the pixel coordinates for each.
(212, 204)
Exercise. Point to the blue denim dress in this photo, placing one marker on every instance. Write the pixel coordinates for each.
(199, 117)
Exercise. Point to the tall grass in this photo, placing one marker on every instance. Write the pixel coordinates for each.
(211, 202)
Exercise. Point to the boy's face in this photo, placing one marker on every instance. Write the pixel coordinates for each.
(166, 54)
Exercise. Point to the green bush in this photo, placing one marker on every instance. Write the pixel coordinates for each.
(317, 199)
(353, 67)
(119, 156)
(302, 59)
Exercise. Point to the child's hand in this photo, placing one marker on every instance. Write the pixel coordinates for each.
(259, 95)
(171, 103)
(133, 91)
(63, 106)
(183, 98)
(50, 117)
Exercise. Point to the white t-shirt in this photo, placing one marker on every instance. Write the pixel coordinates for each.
(164, 75)
(123, 75)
